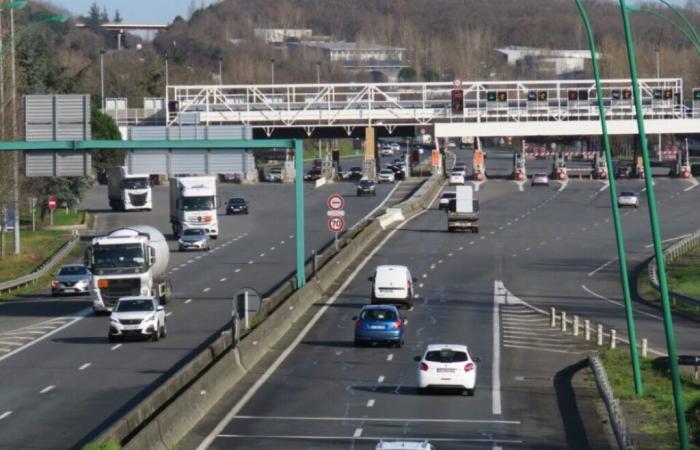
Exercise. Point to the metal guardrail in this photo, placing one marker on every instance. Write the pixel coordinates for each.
(8, 286)
(612, 404)
(670, 254)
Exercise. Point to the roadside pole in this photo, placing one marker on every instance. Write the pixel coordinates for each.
(656, 237)
(619, 237)
(299, 204)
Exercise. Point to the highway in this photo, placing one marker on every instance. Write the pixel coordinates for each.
(542, 244)
(63, 381)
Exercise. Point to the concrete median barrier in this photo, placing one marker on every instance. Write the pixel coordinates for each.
(165, 416)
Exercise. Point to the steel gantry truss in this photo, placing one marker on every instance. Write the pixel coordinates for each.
(350, 105)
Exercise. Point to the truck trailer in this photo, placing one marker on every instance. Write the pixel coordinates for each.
(463, 211)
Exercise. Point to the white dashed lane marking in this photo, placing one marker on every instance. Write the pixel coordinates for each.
(116, 346)
(370, 403)
(188, 300)
(5, 414)
(357, 433)
(206, 290)
(390, 356)
(380, 379)
(47, 389)
(168, 314)
(222, 280)
(237, 270)
(85, 366)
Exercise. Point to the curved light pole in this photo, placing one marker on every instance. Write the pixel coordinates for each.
(684, 32)
(619, 238)
(656, 237)
(685, 20)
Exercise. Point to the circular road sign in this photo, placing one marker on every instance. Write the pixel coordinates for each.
(336, 202)
(457, 83)
(336, 224)
(52, 202)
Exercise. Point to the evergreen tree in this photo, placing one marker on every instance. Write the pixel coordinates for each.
(117, 17)
(93, 19)
(104, 17)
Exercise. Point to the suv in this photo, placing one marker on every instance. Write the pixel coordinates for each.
(366, 187)
(138, 317)
(236, 205)
(275, 175)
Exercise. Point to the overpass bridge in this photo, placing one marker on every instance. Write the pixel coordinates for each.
(493, 108)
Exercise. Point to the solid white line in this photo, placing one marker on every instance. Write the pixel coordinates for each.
(618, 303)
(61, 328)
(669, 240)
(607, 185)
(590, 274)
(375, 419)
(84, 366)
(695, 184)
(390, 356)
(116, 346)
(541, 349)
(206, 289)
(386, 199)
(370, 403)
(5, 414)
(168, 314)
(47, 389)
(368, 438)
(283, 356)
(357, 433)
(496, 371)
(380, 379)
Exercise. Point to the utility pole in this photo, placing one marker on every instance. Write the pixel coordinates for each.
(658, 75)
(102, 79)
(13, 134)
(2, 85)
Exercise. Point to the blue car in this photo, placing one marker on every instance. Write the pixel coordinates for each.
(379, 323)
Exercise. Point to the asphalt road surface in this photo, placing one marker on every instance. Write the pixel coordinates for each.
(548, 246)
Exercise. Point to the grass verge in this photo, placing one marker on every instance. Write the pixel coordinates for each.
(653, 414)
(63, 218)
(648, 293)
(109, 445)
(344, 145)
(684, 273)
(36, 247)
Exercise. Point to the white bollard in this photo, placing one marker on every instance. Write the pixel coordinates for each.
(552, 317)
(600, 335)
(563, 322)
(587, 329)
(613, 339)
(645, 347)
(575, 325)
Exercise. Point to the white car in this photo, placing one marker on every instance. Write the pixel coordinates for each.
(627, 199)
(460, 168)
(447, 366)
(137, 317)
(541, 179)
(395, 147)
(386, 150)
(386, 176)
(275, 175)
(456, 178)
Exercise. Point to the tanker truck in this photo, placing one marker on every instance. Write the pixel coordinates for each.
(128, 261)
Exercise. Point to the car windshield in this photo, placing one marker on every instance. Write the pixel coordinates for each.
(356, 169)
(135, 183)
(197, 203)
(627, 194)
(456, 174)
(366, 183)
(193, 232)
(449, 195)
(446, 356)
(236, 201)
(385, 172)
(120, 255)
(276, 171)
(73, 270)
(378, 314)
(134, 305)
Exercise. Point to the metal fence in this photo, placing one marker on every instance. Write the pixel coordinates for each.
(612, 404)
(670, 254)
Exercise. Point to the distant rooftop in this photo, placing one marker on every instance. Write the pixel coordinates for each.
(349, 46)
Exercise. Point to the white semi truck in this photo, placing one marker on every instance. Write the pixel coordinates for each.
(128, 192)
(193, 204)
(129, 261)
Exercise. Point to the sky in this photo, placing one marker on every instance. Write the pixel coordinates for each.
(137, 11)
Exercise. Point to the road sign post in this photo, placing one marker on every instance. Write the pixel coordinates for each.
(52, 206)
(32, 207)
(336, 215)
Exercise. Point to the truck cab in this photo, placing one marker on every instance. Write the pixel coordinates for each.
(193, 204)
(128, 192)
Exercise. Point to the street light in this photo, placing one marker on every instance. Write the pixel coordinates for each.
(683, 18)
(656, 237)
(221, 71)
(688, 34)
(272, 70)
(102, 79)
(619, 237)
(318, 73)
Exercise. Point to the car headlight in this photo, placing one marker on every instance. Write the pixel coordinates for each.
(149, 318)
(113, 320)
(180, 241)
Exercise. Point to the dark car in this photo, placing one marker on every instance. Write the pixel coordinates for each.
(313, 174)
(623, 172)
(366, 187)
(399, 171)
(237, 206)
(355, 173)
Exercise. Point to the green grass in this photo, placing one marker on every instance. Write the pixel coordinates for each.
(653, 413)
(36, 247)
(345, 146)
(108, 445)
(684, 273)
(61, 218)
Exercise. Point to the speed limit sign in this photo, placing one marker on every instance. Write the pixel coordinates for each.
(336, 224)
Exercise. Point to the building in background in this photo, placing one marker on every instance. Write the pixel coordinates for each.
(565, 64)
(282, 35)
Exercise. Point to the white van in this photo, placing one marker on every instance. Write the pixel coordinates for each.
(392, 284)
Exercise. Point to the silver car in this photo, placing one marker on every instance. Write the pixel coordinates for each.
(627, 199)
(193, 239)
(540, 179)
(71, 279)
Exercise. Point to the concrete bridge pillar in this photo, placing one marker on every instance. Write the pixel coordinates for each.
(369, 167)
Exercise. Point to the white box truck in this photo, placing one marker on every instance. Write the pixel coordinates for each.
(128, 192)
(129, 261)
(463, 211)
(193, 204)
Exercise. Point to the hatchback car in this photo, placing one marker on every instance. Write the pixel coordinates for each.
(460, 168)
(379, 324)
(137, 317)
(447, 366)
(540, 179)
(71, 279)
(456, 178)
(237, 205)
(386, 176)
(193, 239)
(366, 187)
(627, 199)
(623, 172)
(445, 198)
